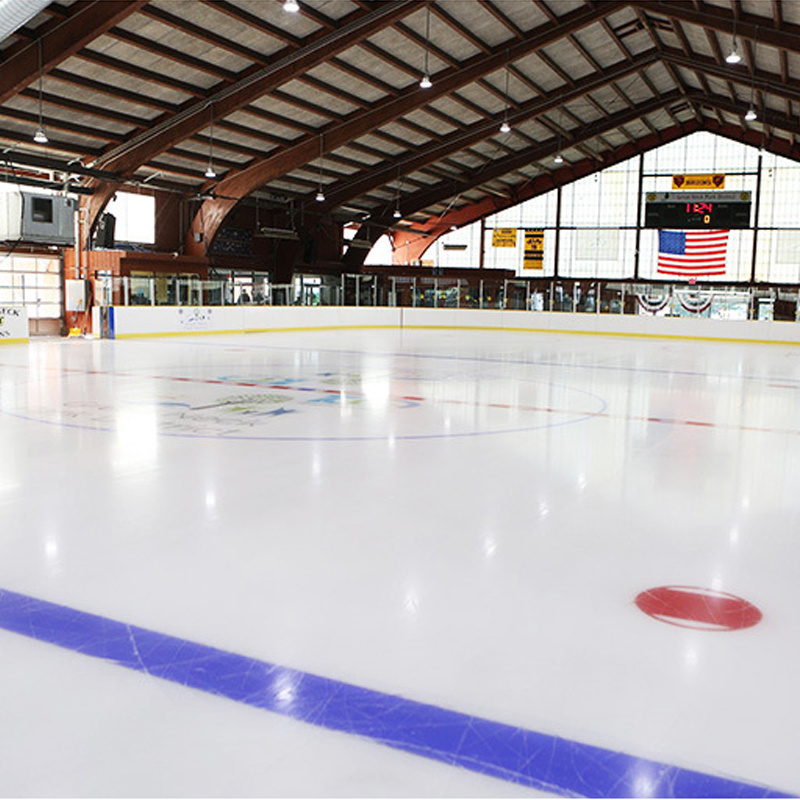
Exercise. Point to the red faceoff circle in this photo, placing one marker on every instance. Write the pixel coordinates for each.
(701, 609)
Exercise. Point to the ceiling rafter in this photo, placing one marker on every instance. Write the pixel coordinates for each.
(239, 185)
(472, 134)
(61, 39)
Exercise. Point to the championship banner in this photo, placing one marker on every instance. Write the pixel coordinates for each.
(696, 182)
(534, 250)
(504, 237)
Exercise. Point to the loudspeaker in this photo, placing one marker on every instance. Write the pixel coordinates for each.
(104, 234)
(310, 250)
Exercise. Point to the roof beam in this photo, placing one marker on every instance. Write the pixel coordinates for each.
(419, 201)
(86, 22)
(479, 131)
(320, 48)
(424, 234)
(239, 185)
(748, 26)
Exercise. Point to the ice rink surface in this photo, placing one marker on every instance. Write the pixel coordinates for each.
(305, 547)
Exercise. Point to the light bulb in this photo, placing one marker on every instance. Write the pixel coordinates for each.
(320, 198)
(425, 83)
(292, 6)
(397, 213)
(559, 159)
(40, 137)
(733, 57)
(751, 114)
(210, 171)
(505, 127)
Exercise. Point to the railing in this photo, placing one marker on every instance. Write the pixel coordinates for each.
(582, 296)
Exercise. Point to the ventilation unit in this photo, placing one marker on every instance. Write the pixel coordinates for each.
(37, 218)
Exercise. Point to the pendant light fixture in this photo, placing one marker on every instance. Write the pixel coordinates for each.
(292, 6)
(751, 115)
(426, 82)
(504, 126)
(40, 137)
(559, 159)
(734, 57)
(320, 198)
(210, 173)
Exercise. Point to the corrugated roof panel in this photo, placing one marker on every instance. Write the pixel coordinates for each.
(146, 59)
(122, 80)
(450, 106)
(165, 35)
(479, 22)
(290, 112)
(381, 145)
(102, 101)
(432, 123)
(321, 98)
(257, 123)
(406, 133)
(380, 68)
(206, 15)
(351, 84)
(539, 72)
(526, 16)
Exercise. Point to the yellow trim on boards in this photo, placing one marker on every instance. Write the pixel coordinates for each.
(300, 329)
(21, 340)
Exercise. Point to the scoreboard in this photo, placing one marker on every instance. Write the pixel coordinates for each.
(694, 210)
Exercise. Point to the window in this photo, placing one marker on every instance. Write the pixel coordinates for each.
(31, 282)
(135, 216)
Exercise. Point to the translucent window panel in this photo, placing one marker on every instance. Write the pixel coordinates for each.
(447, 250)
(597, 253)
(607, 198)
(33, 282)
(381, 252)
(780, 189)
(738, 258)
(513, 257)
(701, 152)
(538, 212)
(778, 256)
(135, 216)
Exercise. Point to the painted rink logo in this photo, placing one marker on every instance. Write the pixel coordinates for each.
(700, 609)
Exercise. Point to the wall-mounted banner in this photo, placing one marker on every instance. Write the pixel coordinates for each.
(504, 237)
(534, 250)
(696, 182)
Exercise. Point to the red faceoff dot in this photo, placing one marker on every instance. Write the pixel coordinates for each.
(702, 609)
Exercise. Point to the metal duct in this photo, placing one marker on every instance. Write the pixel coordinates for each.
(15, 13)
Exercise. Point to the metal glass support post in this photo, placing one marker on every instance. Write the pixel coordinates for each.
(152, 291)
(126, 290)
(755, 220)
(436, 293)
(638, 220)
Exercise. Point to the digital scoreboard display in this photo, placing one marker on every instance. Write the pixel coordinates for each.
(694, 210)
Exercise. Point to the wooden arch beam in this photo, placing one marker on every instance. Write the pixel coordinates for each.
(444, 191)
(236, 186)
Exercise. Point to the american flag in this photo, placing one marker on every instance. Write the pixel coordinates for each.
(692, 252)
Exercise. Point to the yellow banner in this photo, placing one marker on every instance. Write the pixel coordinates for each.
(698, 182)
(534, 250)
(504, 237)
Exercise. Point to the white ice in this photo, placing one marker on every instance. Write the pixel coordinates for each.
(459, 518)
